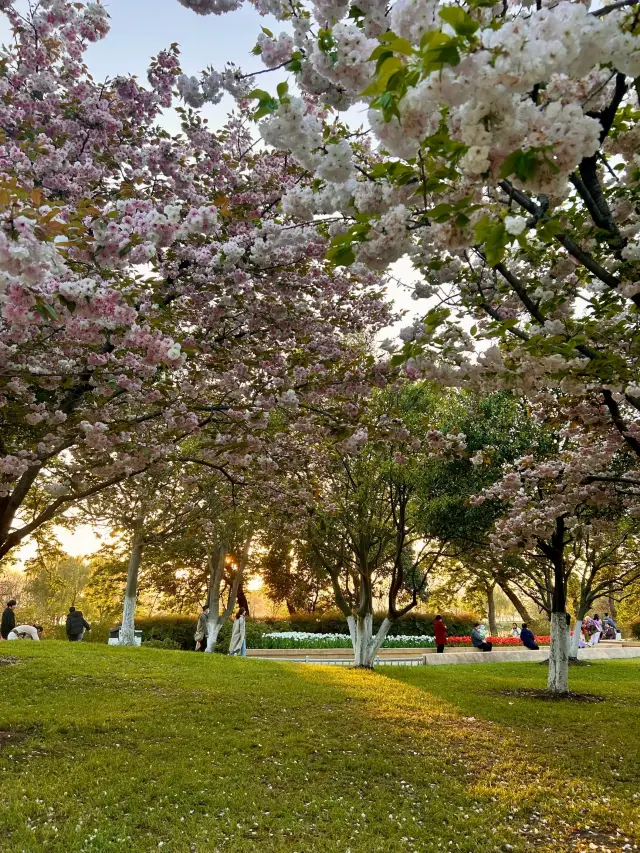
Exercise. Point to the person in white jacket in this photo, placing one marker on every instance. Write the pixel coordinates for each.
(238, 645)
(25, 632)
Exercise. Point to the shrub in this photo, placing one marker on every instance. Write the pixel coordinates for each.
(167, 643)
(634, 627)
(99, 632)
(335, 622)
(178, 629)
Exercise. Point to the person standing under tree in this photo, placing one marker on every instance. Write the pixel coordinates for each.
(8, 619)
(595, 636)
(440, 631)
(76, 625)
(238, 645)
(200, 635)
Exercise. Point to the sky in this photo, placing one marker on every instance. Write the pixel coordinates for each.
(139, 30)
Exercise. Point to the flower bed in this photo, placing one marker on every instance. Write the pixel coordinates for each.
(496, 641)
(307, 640)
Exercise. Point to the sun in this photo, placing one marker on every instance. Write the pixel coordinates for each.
(255, 584)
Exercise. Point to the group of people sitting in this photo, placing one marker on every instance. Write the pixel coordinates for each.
(595, 629)
(525, 635)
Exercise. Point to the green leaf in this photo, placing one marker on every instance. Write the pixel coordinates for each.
(459, 19)
(342, 256)
(440, 213)
(401, 45)
(522, 164)
(473, 330)
(493, 235)
(47, 311)
(260, 94)
(266, 107)
(282, 89)
(438, 50)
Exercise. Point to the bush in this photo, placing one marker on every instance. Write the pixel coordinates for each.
(99, 632)
(167, 643)
(634, 628)
(335, 622)
(177, 629)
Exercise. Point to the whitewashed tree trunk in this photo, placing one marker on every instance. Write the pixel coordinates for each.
(365, 645)
(559, 654)
(575, 639)
(127, 630)
(216, 620)
(213, 629)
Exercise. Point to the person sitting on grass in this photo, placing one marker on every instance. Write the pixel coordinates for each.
(25, 632)
(440, 631)
(478, 638)
(528, 639)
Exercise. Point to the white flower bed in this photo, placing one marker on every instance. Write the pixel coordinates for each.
(306, 636)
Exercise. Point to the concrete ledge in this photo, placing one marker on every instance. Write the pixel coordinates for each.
(419, 657)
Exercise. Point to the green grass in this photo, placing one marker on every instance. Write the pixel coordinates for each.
(137, 750)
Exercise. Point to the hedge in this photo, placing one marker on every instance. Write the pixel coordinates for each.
(180, 629)
(635, 629)
(334, 622)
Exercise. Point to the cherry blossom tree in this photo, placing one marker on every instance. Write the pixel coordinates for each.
(557, 511)
(151, 285)
(505, 170)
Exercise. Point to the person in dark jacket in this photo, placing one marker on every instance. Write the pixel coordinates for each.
(528, 639)
(8, 619)
(76, 625)
(440, 631)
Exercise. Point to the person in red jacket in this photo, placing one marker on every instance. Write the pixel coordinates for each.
(440, 630)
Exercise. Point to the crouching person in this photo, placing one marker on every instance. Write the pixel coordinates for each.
(25, 632)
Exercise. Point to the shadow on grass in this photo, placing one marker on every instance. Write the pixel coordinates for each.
(212, 754)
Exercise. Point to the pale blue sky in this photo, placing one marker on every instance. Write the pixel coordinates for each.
(142, 28)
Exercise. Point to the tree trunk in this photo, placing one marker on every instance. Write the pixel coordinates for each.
(522, 611)
(127, 630)
(242, 598)
(213, 629)
(216, 619)
(491, 604)
(612, 602)
(559, 651)
(365, 645)
(559, 654)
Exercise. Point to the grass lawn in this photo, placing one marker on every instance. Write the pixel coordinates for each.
(134, 750)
